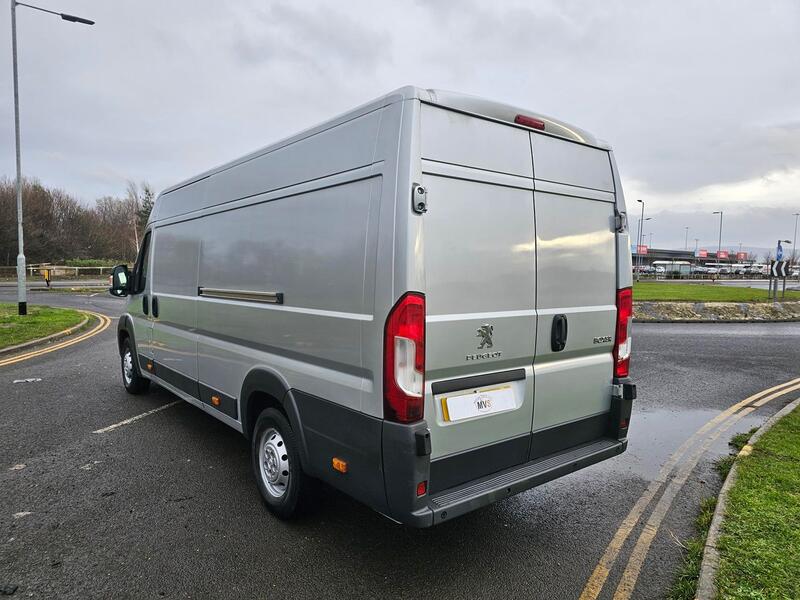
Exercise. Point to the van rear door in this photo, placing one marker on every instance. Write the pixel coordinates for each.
(480, 278)
(576, 294)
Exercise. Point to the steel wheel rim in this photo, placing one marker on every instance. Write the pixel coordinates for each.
(273, 461)
(127, 367)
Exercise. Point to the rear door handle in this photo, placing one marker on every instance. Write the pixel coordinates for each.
(155, 307)
(145, 305)
(558, 335)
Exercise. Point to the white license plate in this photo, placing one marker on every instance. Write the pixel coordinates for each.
(478, 403)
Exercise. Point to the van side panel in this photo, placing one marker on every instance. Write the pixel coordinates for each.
(344, 147)
(310, 248)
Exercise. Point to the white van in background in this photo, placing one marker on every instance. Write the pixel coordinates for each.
(425, 302)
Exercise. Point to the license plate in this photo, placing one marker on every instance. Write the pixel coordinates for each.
(478, 403)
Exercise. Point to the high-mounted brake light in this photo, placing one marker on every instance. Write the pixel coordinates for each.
(404, 360)
(622, 344)
(531, 122)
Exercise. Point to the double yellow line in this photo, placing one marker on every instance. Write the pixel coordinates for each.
(671, 483)
(102, 325)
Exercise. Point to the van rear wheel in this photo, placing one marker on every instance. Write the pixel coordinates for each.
(133, 382)
(276, 464)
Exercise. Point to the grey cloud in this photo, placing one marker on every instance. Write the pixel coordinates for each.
(689, 94)
(317, 39)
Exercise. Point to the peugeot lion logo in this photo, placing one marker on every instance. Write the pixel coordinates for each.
(485, 333)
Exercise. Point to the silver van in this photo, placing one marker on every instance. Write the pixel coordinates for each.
(424, 302)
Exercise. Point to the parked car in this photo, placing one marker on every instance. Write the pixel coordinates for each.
(372, 303)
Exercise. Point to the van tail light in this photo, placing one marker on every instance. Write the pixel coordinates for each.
(622, 345)
(531, 122)
(404, 360)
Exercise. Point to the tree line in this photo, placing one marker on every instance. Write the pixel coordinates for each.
(58, 228)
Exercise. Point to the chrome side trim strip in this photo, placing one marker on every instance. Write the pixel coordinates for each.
(243, 295)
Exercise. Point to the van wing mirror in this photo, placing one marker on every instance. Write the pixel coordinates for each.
(120, 281)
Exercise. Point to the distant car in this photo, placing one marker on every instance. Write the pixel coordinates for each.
(699, 270)
(711, 270)
(659, 269)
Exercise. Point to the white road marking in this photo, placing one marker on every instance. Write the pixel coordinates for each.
(28, 380)
(18, 467)
(19, 515)
(136, 418)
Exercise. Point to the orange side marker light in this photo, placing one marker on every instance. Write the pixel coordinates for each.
(339, 465)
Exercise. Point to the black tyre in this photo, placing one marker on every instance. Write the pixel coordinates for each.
(276, 465)
(134, 383)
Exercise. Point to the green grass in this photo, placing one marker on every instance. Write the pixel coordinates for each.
(701, 292)
(760, 541)
(685, 584)
(40, 321)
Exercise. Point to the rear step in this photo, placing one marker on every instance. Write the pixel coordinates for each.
(465, 498)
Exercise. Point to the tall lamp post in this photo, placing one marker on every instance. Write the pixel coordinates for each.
(794, 240)
(22, 301)
(686, 241)
(639, 243)
(719, 244)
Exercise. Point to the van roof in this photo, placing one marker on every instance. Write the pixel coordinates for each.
(465, 103)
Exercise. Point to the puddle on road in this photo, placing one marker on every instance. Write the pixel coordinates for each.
(655, 435)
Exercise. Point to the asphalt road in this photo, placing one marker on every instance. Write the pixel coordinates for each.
(166, 506)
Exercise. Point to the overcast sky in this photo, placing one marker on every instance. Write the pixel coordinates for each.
(700, 100)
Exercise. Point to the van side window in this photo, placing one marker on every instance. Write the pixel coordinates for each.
(142, 265)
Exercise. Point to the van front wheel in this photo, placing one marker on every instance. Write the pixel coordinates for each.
(276, 464)
(133, 382)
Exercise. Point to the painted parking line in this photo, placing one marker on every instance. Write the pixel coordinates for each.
(130, 420)
(722, 421)
(101, 326)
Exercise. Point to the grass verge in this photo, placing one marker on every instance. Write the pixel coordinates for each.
(685, 584)
(684, 587)
(760, 541)
(701, 292)
(40, 322)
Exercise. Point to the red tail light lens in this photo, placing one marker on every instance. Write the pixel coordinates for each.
(531, 122)
(622, 346)
(404, 360)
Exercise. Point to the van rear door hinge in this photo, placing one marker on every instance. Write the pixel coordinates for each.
(419, 198)
(620, 221)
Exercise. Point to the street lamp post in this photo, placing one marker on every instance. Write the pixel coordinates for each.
(719, 244)
(639, 243)
(794, 239)
(22, 300)
(686, 241)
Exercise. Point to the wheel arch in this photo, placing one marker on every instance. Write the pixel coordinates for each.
(264, 388)
(125, 331)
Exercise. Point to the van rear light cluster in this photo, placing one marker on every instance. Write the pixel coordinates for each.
(622, 344)
(531, 122)
(404, 360)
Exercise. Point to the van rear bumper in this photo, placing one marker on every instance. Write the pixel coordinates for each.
(464, 498)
